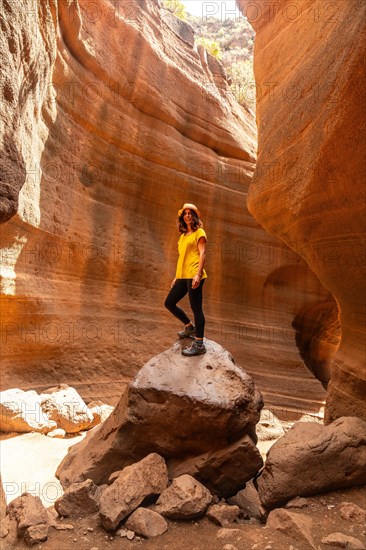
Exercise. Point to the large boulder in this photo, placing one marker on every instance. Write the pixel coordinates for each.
(328, 458)
(21, 411)
(177, 407)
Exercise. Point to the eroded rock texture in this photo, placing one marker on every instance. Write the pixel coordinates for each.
(118, 119)
(308, 187)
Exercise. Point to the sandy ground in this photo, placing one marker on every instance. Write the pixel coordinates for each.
(29, 461)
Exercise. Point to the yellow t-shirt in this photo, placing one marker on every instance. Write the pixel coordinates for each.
(189, 257)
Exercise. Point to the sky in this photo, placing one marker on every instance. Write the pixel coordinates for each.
(223, 9)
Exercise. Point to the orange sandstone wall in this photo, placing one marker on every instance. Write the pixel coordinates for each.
(308, 188)
(117, 119)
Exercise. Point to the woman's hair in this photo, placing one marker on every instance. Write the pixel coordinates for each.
(196, 222)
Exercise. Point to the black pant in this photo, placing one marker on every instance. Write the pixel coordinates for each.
(177, 292)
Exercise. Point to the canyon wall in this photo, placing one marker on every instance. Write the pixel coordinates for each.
(308, 188)
(114, 119)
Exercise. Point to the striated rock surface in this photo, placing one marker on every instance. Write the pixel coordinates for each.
(179, 407)
(100, 149)
(308, 187)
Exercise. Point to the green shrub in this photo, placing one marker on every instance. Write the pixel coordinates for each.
(176, 8)
(211, 46)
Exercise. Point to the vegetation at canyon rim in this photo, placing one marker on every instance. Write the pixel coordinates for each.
(231, 40)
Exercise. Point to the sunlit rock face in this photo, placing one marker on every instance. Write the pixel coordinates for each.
(128, 121)
(308, 190)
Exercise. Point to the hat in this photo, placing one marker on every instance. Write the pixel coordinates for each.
(191, 207)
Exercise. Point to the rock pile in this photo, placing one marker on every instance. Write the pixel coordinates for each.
(198, 413)
(139, 501)
(119, 506)
(56, 412)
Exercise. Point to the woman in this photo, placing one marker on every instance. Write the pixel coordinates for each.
(189, 277)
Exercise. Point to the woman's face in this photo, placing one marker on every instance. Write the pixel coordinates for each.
(187, 216)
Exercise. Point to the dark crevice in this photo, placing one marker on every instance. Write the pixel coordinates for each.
(318, 335)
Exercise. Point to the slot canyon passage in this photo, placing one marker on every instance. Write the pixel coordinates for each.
(112, 117)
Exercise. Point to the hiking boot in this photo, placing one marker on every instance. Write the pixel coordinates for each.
(187, 332)
(197, 348)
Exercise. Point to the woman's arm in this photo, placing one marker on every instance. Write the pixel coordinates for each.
(201, 245)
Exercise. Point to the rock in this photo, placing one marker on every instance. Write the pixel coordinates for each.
(350, 511)
(179, 27)
(186, 498)
(65, 406)
(100, 412)
(297, 502)
(178, 407)
(2, 500)
(223, 514)
(146, 522)
(130, 535)
(269, 427)
(318, 76)
(28, 511)
(4, 529)
(294, 525)
(226, 533)
(224, 471)
(58, 433)
(78, 500)
(229, 547)
(20, 411)
(114, 476)
(136, 482)
(329, 458)
(248, 501)
(36, 534)
(62, 526)
(343, 541)
(9, 530)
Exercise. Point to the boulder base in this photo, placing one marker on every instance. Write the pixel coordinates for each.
(177, 407)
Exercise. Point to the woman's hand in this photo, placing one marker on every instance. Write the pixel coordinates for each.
(173, 282)
(196, 281)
